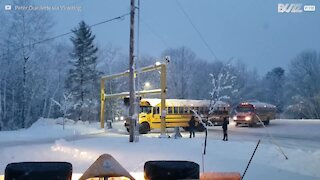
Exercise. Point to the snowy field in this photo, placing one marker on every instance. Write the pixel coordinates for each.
(82, 143)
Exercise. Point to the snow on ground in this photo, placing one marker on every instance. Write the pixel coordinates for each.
(46, 128)
(233, 155)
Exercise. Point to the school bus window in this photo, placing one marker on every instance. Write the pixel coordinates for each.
(145, 109)
(156, 110)
(169, 110)
(175, 109)
(186, 110)
(183, 110)
(180, 110)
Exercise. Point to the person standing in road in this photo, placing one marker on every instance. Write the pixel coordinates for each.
(225, 128)
(192, 126)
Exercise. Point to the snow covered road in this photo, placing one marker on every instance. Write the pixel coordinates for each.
(302, 134)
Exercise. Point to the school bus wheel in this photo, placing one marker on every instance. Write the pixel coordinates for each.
(144, 128)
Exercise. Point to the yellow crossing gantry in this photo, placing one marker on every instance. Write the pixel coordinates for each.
(162, 91)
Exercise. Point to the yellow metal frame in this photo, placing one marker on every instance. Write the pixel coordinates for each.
(162, 91)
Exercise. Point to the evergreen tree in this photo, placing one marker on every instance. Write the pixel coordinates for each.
(83, 76)
(274, 87)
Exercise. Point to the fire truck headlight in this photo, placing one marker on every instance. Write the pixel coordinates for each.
(247, 118)
(116, 118)
(121, 118)
(234, 117)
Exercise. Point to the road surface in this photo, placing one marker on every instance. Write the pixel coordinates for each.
(302, 134)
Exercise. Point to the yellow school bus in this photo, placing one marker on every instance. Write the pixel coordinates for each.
(178, 113)
(252, 113)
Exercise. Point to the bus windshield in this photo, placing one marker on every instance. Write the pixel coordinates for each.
(145, 109)
(245, 109)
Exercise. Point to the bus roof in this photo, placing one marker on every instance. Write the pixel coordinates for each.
(177, 102)
(258, 104)
(184, 102)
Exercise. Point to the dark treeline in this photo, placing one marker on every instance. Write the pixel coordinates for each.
(35, 77)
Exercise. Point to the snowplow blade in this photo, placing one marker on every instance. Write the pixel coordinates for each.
(105, 166)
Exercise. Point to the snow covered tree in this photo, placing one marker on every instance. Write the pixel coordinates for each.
(20, 62)
(304, 85)
(82, 79)
(222, 82)
(64, 106)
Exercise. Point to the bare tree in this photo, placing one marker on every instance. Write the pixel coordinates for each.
(180, 72)
(107, 63)
(25, 28)
(304, 83)
(64, 106)
(222, 83)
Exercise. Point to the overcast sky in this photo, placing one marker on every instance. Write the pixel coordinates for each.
(250, 30)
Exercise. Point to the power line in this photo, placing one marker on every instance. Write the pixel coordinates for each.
(196, 29)
(70, 32)
(155, 34)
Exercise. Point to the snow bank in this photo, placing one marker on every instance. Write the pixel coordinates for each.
(47, 129)
(300, 161)
(230, 156)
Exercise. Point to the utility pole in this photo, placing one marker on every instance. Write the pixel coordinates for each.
(131, 75)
